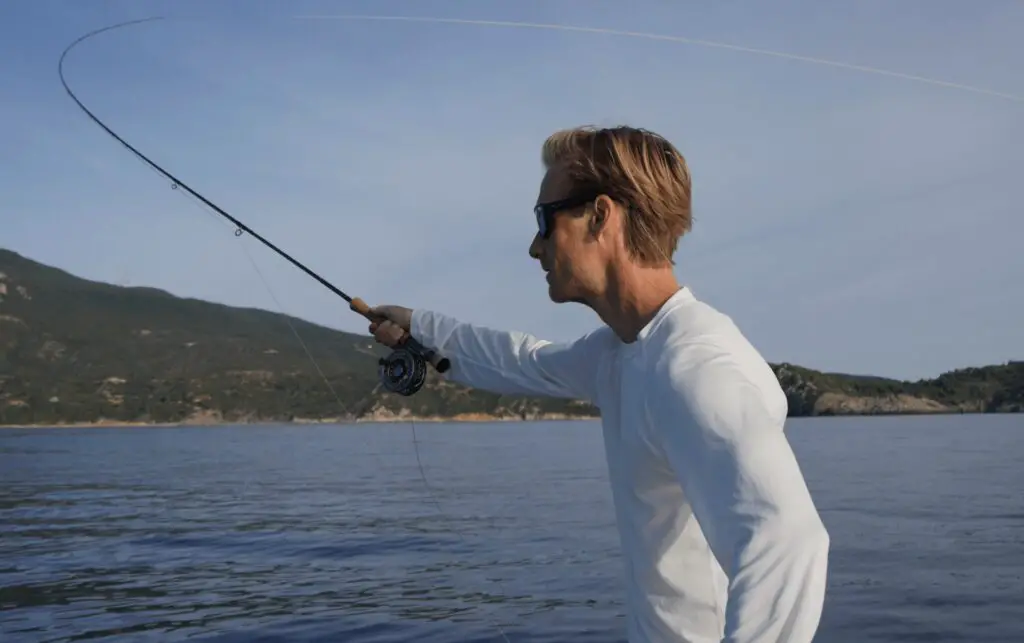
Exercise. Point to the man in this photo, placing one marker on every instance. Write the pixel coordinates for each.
(720, 537)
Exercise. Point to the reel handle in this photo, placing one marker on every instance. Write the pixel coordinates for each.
(441, 364)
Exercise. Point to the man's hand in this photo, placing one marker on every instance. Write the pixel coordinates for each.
(391, 325)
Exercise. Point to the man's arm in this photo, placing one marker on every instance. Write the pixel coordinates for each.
(724, 441)
(510, 362)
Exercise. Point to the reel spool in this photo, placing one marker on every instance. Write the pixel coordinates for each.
(403, 371)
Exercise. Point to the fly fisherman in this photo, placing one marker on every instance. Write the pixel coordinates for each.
(719, 534)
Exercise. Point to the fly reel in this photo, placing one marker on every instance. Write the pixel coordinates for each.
(403, 371)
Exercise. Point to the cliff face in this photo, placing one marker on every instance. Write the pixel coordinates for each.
(842, 404)
(74, 351)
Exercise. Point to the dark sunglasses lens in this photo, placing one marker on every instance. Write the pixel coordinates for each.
(541, 221)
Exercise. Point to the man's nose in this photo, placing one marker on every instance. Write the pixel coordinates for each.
(535, 246)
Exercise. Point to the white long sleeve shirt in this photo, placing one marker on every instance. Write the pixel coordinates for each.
(721, 540)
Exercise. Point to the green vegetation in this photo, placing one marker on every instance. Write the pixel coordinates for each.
(75, 351)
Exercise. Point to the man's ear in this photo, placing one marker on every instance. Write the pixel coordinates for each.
(600, 215)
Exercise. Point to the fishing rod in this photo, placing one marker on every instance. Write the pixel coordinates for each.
(403, 371)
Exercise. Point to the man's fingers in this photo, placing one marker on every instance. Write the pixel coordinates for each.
(387, 333)
(397, 315)
(389, 324)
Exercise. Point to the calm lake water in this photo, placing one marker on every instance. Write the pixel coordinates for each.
(328, 533)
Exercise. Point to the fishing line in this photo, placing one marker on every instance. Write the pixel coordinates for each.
(676, 39)
(404, 370)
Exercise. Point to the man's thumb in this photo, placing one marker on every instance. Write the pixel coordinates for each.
(389, 313)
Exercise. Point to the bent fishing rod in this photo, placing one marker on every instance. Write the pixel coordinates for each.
(403, 371)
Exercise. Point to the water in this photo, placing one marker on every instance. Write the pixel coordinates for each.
(324, 533)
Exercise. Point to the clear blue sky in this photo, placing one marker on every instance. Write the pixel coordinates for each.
(847, 221)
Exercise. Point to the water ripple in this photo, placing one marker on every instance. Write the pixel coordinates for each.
(251, 534)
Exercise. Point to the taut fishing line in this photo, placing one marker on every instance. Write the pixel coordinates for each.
(404, 370)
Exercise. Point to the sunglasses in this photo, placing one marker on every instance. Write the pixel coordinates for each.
(545, 212)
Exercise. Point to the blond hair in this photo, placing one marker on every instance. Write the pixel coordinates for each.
(636, 168)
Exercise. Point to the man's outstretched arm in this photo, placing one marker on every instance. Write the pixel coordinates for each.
(723, 437)
(507, 362)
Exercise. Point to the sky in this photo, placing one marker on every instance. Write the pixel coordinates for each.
(847, 221)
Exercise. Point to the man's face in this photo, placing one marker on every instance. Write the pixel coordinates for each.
(565, 254)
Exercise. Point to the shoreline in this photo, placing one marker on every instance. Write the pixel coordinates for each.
(458, 419)
(209, 422)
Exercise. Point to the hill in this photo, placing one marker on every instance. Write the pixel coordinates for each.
(80, 351)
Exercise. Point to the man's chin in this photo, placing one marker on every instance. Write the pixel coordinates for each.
(556, 295)
(552, 291)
